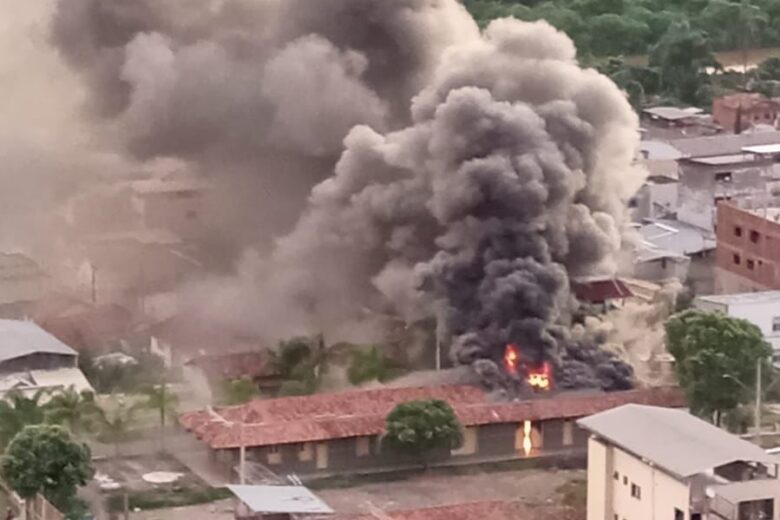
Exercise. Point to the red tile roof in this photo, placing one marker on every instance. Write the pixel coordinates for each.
(475, 511)
(601, 290)
(363, 412)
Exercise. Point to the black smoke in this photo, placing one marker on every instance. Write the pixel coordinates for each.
(398, 157)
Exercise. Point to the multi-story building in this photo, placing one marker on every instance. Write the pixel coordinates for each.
(737, 112)
(747, 256)
(649, 463)
(762, 309)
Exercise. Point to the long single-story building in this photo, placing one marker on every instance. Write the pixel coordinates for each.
(341, 432)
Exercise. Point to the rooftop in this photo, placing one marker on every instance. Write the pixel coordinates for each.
(677, 237)
(600, 289)
(673, 440)
(742, 298)
(358, 413)
(723, 144)
(719, 160)
(23, 338)
(280, 499)
(672, 113)
(16, 265)
(762, 149)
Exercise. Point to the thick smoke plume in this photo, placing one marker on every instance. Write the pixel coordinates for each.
(443, 167)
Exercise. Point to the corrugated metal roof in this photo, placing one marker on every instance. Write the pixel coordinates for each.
(752, 297)
(671, 439)
(280, 499)
(723, 143)
(23, 338)
(676, 236)
(748, 490)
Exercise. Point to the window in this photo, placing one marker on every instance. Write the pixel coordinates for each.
(625, 480)
(636, 491)
(678, 515)
(737, 231)
(754, 236)
(616, 475)
(776, 324)
(751, 264)
(274, 449)
(737, 259)
(723, 177)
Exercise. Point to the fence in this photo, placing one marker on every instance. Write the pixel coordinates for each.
(37, 509)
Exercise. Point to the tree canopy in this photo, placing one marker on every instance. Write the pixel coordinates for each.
(716, 358)
(420, 428)
(238, 391)
(44, 459)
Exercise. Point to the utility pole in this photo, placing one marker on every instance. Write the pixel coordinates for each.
(758, 399)
(441, 327)
(242, 449)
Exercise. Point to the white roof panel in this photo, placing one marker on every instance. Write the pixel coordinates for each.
(674, 440)
(280, 499)
(751, 297)
(23, 338)
(762, 149)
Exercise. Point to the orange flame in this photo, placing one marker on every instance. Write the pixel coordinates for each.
(538, 378)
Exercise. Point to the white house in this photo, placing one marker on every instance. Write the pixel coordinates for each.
(31, 359)
(649, 463)
(760, 308)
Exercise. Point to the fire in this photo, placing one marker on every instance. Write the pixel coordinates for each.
(538, 378)
(511, 359)
(527, 443)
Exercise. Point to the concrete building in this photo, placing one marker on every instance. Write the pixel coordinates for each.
(743, 110)
(706, 181)
(673, 249)
(22, 285)
(31, 359)
(341, 432)
(175, 203)
(649, 463)
(748, 250)
(762, 309)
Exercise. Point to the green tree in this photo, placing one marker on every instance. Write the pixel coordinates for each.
(114, 424)
(77, 411)
(715, 359)
(17, 411)
(612, 34)
(370, 365)
(160, 399)
(238, 391)
(421, 428)
(44, 459)
(682, 57)
(769, 70)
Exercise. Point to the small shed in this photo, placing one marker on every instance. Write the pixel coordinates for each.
(277, 503)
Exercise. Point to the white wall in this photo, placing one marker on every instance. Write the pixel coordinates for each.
(610, 497)
(761, 314)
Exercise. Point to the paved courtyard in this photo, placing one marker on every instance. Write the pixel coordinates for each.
(533, 487)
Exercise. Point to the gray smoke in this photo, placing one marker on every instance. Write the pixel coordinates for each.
(257, 94)
(477, 170)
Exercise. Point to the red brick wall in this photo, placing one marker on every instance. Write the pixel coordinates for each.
(748, 246)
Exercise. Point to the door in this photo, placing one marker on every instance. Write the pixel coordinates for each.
(322, 455)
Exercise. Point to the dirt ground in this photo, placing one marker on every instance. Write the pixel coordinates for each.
(533, 487)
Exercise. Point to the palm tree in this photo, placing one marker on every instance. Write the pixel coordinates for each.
(17, 411)
(77, 411)
(162, 400)
(114, 424)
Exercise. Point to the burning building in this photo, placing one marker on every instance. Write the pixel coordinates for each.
(379, 155)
